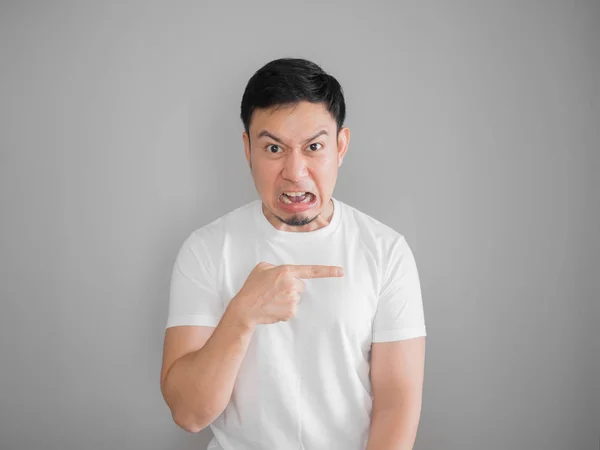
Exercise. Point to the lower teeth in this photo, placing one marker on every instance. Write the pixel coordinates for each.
(287, 200)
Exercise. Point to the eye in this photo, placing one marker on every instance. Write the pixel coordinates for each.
(273, 148)
(314, 147)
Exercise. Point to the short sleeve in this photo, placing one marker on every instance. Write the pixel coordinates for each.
(194, 295)
(399, 312)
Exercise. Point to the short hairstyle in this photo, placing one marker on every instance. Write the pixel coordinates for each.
(287, 81)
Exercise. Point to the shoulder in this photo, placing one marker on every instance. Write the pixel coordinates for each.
(371, 230)
(384, 246)
(211, 236)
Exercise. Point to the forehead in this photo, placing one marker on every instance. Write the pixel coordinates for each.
(292, 120)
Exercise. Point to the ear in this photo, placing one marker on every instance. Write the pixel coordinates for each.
(343, 140)
(246, 140)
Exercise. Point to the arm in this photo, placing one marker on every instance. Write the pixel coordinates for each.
(397, 370)
(199, 371)
(200, 365)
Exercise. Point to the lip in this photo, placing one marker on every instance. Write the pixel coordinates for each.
(296, 207)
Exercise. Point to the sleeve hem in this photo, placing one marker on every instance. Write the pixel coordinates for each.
(398, 335)
(193, 319)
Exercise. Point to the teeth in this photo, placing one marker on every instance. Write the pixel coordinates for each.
(286, 200)
(294, 194)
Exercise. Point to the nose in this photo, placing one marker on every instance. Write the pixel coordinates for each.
(294, 166)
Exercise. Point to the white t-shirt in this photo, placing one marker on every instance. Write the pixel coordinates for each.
(303, 383)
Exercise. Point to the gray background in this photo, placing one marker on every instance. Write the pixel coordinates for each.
(475, 133)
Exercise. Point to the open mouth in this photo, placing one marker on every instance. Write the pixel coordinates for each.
(297, 197)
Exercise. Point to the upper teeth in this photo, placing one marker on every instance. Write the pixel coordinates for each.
(294, 194)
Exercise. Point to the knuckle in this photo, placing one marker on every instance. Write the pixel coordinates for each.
(291, 312)
(285, 269)
(284, 276)
(289, 285)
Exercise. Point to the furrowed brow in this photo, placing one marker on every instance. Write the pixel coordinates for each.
(265, 133)
(320, 133)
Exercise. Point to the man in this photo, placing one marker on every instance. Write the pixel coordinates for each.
(295, 321)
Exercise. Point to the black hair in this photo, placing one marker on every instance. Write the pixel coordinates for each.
(287, 81)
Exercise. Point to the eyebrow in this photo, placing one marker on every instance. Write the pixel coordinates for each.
(265, 133)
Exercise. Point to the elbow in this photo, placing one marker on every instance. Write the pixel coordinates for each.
(192, 416)
(190, 423)
(194, 422)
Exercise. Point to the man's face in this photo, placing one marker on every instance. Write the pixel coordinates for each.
(294, 154)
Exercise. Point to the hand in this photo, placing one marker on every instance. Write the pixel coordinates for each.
(271, 293)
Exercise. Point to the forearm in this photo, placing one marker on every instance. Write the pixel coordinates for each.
(395, 428)
(198, 386)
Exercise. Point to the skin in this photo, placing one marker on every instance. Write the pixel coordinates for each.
(287, 159)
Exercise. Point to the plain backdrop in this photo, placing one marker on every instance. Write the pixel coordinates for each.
(475, 134)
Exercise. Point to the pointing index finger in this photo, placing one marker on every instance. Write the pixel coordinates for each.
(316, 271)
